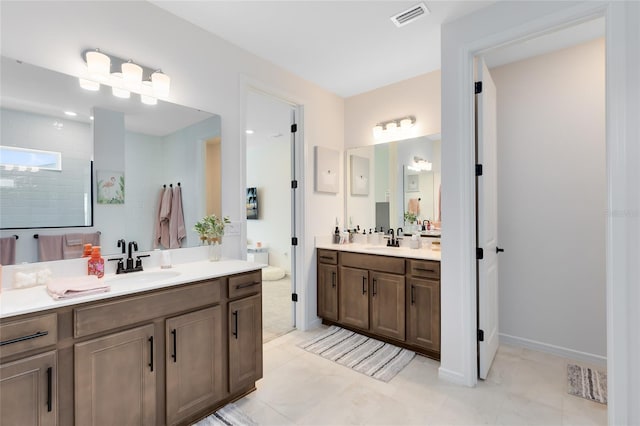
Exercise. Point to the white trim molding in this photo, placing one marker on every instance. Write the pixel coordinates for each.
(571, 354)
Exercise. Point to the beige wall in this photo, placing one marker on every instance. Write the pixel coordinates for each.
(418, 96)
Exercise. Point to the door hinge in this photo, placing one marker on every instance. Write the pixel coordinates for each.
(480, 335)
(479, 253)
(294, 241)
(294, 128)
(478, 169)
(294, 297)
(294, 184)
(478, 87)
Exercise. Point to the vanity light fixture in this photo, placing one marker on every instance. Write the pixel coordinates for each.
(150, 83)
(420, 165)
(391, 127)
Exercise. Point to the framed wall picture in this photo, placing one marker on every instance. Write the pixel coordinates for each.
(110, 187)
(413, 183)
(359, 175)
(327, 172)
(252, 203)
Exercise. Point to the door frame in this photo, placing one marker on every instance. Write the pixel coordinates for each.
(460, 211)
(249, 84)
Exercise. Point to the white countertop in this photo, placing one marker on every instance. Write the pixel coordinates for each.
(35, 299)
(421, 253)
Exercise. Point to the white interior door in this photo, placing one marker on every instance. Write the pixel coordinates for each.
(487, 220)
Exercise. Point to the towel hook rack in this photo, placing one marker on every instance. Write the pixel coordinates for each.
(16, 236)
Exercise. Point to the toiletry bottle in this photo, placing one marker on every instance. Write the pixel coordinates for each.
(96, 263)
(87, 250)
(336, 236)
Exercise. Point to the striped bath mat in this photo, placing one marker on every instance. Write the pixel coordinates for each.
(229, 415)
(363, 354)
(587, 383)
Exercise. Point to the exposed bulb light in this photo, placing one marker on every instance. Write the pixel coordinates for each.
(406, 123)
(249, 131)
(91, 85)
(131, 76)
(98, 65)
(161, 84)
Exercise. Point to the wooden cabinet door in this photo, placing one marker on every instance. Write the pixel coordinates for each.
(328, 291)
(115, 379)
(354, 297)
(423, 306)
(28, 391)
(194, 360)
(387, 305)
(245, 342)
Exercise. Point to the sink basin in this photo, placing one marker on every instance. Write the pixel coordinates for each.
(143, 277)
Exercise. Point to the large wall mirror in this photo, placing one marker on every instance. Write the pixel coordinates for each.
(53, 162)
(386, 180)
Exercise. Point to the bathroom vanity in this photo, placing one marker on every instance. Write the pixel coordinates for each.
(391, 294)
(167, 351)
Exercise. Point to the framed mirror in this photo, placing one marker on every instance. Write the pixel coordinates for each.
(405, 176)
(143, 147)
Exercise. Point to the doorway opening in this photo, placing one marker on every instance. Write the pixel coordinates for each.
(551, 191)
(270, 203)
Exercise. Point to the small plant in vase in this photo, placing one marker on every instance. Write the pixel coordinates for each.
(211, 229)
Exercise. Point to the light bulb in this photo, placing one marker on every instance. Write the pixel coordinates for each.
(146, 94)
(98, 65)
(91, 85)
(391, 127)
(406, 123)
(131, 76)
(161, 84)
(116, 86)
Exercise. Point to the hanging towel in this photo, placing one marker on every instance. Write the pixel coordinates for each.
(73, 244)
(439, 203)
(414, 206)
(65, 288)
(8, 250)
(177, 230)
(157, 228)
(50, 247)
(165, 216)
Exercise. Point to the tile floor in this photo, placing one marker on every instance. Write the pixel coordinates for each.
(523, 388)
(276, 308)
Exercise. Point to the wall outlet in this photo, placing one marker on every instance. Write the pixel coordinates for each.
(232, 228)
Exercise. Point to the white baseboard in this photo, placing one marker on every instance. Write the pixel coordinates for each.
(451, 376)
(596, 360)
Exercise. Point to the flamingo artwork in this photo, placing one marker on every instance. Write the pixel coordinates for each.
(110, 188)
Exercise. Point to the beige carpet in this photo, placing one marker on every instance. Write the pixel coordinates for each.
(276, 308)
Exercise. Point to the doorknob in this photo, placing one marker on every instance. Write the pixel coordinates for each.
(499, 250)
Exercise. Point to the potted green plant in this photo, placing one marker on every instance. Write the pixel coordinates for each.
(410, 217)
(211, 229)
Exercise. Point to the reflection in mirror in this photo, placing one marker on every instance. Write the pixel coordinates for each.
(400, 182)
(148, 145)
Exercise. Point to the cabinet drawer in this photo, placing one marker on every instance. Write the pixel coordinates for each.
(245, 284)
(27, 334)
(106, 316)
(392, 265)
(328, 256)
(424, 269)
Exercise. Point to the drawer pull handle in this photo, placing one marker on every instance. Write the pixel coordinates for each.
(364, 285)
(151, 353)
(49, 389)
(326, 257)
(374, 286)
(240, 286)
(333, 279)
(174, 355)
(23, 338)
(425, 269)
(235, 326)
(413, 300)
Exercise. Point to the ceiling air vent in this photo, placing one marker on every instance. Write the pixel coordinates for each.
(410, 15)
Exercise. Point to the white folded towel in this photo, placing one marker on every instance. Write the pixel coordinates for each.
(65, 288)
